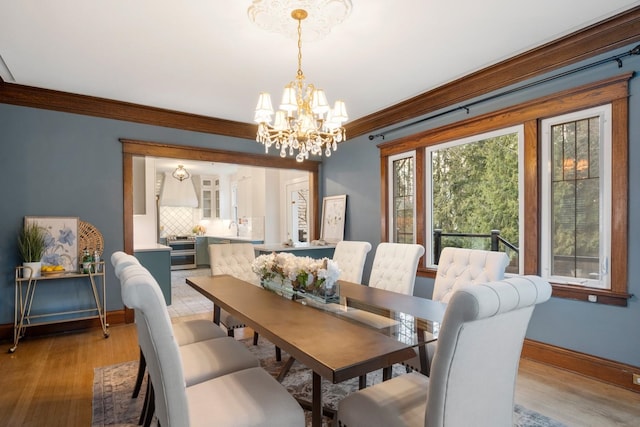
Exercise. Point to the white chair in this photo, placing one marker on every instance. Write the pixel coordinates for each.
(351, 256)
(459, 267)
(235, 260)
(474, 370)
(249, 397)
(395, 266)
(394, 269)
(187, 332)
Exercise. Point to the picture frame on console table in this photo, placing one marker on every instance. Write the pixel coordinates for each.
(334, 210)
(61, 239)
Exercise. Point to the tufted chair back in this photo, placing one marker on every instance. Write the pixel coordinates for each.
(351, 256)
(474, 371)
(479, 348)
(121, 260)
(458, 267)
(394, 267)
(233, 259)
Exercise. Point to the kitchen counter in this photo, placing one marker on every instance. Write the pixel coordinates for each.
(151, 247)
(236, 239)
(312, 251)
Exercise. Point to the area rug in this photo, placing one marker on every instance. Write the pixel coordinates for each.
(113, 405)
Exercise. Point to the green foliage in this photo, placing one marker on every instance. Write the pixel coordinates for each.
(475, 188)
(31, 243)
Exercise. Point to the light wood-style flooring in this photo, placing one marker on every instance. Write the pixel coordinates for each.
(48, 382)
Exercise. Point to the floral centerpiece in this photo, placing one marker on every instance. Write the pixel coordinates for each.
(304, 275)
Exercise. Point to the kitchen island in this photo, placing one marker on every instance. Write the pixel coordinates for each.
(203, 242)
(157, 259)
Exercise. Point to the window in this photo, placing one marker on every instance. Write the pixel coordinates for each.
(402, 200)
(571, 200)
(576, 189)
(473, 188)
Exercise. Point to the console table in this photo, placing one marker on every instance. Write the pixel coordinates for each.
(25, 289)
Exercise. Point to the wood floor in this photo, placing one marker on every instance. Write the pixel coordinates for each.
(48, 382)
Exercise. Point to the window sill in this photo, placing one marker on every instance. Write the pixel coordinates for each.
(594, 296)
(568, 291)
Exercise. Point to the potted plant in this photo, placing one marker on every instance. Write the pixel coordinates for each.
(31, 244)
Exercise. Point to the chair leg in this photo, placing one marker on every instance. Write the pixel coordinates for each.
(151, 407)
(145, 404)
(255, 338)
(142, 366)
(278, 354)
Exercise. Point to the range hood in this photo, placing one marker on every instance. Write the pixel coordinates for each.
(178, 193)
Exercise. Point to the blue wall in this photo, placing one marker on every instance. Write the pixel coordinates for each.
(596, 329)
(59, 164)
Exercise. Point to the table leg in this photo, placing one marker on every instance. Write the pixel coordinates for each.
(285, 369)
(423, 355)
(216, 314)
(316, 401)
(386, 373)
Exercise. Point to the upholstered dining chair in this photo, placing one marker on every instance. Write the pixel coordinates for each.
(459, 267)
(394, 269)
(474, 371)
(246, 397)
(186, 332)
(350, 256)
(235, 260)
(395, 266)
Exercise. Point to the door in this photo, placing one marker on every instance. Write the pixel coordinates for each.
(297, 210)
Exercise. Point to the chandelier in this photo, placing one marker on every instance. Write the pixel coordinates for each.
(305, 123)
(180, 173)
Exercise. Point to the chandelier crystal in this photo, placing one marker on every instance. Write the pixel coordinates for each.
(305, 123)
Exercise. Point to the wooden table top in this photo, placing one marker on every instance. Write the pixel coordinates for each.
(333, 347)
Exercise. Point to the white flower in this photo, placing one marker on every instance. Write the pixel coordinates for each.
(304, 271)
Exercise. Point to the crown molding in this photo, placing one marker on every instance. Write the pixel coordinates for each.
(612, 33)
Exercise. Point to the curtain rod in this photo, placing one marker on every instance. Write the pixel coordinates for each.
(617, 58)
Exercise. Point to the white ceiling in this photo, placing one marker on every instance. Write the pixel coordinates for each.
(206, 57)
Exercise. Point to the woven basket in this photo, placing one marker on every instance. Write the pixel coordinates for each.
(90, 238)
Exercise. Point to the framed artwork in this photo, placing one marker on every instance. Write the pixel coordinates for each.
(61, 240)
(334, 209)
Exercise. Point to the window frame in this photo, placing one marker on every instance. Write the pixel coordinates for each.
(391, 198)
(603, 112)
(517, 129)
(613, 90)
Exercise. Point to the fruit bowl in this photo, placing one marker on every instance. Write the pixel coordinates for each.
(52, 273)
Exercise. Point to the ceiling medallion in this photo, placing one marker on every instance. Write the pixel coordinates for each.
(275, 16)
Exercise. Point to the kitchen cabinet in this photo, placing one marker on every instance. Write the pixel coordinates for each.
(210, 197)
(202, 251)
(202, 246)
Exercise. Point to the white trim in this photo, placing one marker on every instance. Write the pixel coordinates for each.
(519, 130)
(604, 281)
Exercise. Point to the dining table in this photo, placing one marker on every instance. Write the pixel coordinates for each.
(367, 330)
